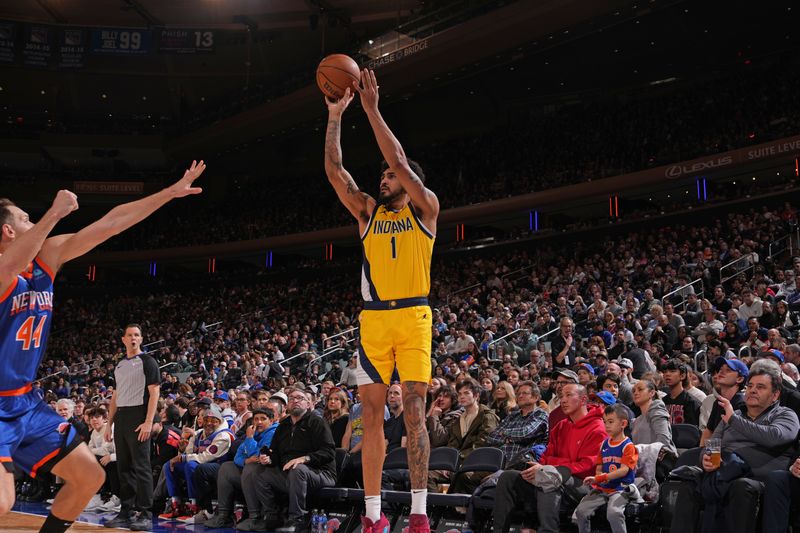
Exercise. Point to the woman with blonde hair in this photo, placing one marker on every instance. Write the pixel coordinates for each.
(337, 409)
(505, 400)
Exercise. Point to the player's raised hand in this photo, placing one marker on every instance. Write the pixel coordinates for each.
(183, 187)
(337, 107)
(368, 89)
(65, 203)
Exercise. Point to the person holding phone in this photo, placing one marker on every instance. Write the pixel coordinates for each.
(249, 459)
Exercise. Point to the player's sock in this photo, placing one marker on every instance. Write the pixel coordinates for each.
(372, 508)
(419, 501)
(53, 524)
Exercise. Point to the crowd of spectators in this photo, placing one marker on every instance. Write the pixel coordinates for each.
(571, 145)
(529, 358)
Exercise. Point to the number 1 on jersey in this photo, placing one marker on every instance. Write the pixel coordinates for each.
(27, 334)
(394, 248)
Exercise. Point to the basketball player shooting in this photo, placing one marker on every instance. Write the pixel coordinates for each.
(397, 234)
(32, 435)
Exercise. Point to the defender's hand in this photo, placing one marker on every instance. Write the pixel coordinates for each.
(183, 187)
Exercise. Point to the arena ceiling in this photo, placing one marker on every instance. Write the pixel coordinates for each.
(213, 14)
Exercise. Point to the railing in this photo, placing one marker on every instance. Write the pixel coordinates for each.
(682, 294)
(206, 327)
(697, 356)
(751, 257)
(295, 356)
(792, 239)
(523, 269)
(462, 290)
(489, 346)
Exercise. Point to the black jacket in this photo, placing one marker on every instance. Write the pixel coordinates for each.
(310, 436)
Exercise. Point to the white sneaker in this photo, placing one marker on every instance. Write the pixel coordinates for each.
(113, 505)
(94, 504)
(200, 518)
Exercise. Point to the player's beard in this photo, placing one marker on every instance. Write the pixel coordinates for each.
(386, 198)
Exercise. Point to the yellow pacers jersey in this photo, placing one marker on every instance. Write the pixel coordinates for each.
(397, 256)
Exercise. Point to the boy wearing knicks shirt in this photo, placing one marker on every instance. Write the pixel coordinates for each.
(616, 468)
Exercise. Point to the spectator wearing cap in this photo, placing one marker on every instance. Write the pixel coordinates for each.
(729, 377)
(585, 373)
(257, 441)
(756, 440)
(209, 445)
(223, 401)
(778, 357)
(277, 402)
(683, 408)
(711, 325)
(563, 346)
(604, 398)
(600, 363)
(562, 377)
(626, 372)
(189, 418)
(599, 331)
(574, 444)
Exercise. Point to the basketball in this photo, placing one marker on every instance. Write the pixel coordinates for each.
(336, 73)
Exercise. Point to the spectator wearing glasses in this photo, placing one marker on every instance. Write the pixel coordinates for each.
(242, 409)
(563, 346)
(302, 460)
(563, 376)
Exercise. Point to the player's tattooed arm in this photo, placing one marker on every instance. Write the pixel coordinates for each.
(357, 202)
(333, 148)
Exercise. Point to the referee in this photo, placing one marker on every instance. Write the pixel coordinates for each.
(133, 407)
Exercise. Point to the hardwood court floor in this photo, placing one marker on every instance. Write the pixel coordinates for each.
(16, 521)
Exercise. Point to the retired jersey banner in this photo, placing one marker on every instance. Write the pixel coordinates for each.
(121, 41)
(185, 41)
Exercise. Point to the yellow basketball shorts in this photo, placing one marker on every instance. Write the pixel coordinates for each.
(396, 338)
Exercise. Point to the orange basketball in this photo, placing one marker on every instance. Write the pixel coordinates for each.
(336, 73)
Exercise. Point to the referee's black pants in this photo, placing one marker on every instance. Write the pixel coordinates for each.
(133, 461)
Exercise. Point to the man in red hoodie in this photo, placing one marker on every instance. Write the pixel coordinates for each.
(574, 444)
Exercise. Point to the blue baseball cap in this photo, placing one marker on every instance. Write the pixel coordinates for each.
(221, 395)
(776, 353)
(734, 364)
(585, 366)
(605, 397)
